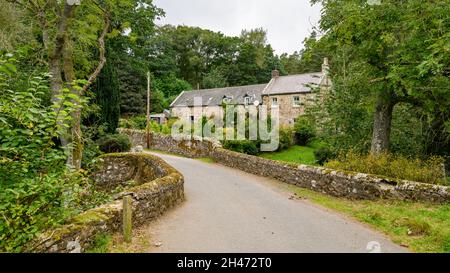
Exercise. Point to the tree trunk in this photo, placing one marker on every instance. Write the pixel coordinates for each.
(74, 160)
(55, 60)
(382, 125)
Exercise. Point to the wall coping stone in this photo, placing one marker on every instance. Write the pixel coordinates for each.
(352, 185)
(150, 199)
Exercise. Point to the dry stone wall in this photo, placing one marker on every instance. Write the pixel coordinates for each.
(159, 188)
(187, 147)
(336, 183)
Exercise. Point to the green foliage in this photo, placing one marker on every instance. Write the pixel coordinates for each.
(114, 143)
(392, 53)
(29, 128)
(171, 86)
(294, 154)
(309, 59)
(137, 122)
(14, 30)
(140, 123)
(395, 218)
(100, 244)
(304, 131)
(37, 192)
(286, 138)
(107, 96)
(242, 146)
(388, 165)
(323, 155)
(28, 206)
(215, 79)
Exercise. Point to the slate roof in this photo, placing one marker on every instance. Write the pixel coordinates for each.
(214, 97)
(277, 86)
(293, 84)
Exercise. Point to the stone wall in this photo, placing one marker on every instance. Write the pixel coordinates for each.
(160, 188)
(186, 147)
(336, 183)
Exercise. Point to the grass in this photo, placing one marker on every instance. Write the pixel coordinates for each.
(101, 244)
(295, 154)
(423, 228)
(205, 159)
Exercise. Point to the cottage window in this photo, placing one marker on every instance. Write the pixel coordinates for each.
(296, 101)
(274, 102)
(192, 119)
(247, 101)
(226, 99)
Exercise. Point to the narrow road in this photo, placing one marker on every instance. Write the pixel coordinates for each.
(227, 210)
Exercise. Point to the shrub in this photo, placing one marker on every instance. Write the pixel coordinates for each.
(134, 122)
(114, 143)
(286, 138)
(126, 123)
(393, 166)
(304, 131)
(242, 146)
(323, 155)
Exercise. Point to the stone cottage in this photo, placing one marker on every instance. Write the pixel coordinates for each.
(290, 94)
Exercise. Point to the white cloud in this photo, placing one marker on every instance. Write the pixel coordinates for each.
(288, 21)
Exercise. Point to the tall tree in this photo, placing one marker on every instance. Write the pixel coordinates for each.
(107, 96)
(67, 29)
(401, 48)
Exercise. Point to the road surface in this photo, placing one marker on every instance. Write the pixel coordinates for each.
(227, 210)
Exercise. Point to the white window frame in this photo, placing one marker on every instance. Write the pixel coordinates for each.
(247, 101)
(274, 102)
(227, 99)
(296, 103)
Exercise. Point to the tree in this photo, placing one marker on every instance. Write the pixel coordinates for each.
(67, 29)
(107, 96)
(214, 79)
(401, 48)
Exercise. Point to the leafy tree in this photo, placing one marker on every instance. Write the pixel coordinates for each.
(396, 51)
(107, 96)
(214, 79)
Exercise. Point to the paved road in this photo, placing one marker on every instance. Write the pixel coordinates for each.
(227, 210)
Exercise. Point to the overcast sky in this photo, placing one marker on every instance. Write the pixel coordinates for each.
(288, 22)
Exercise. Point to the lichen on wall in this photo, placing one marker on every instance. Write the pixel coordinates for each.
(160, 187)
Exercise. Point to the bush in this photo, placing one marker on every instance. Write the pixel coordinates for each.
(323, 155)
(134, 122)
(304, 131)
(393, 166)
(114, 143)
(286, 138)
(242, 146)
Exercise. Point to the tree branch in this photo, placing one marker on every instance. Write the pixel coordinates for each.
(101, 42)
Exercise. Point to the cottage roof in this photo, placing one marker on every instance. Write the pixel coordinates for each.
(215, 97)
(294, 84)
(302, 83)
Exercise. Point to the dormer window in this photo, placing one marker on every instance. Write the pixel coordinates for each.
(247, 100)
(226, 99)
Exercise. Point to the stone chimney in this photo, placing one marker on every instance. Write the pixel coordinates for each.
(275, 74)
(325, 67)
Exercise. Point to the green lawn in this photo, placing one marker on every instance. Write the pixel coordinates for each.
(295, 154)
(419, 226)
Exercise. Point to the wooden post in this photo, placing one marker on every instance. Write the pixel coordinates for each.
(127, 216)
(148, 110)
